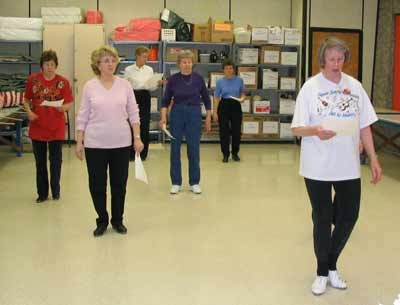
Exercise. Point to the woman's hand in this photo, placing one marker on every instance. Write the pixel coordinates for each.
(324, 134)
(163, 122)
(79, 150)
(138, 144)
(32, 116)
(207, 125)
(215, 117)
(376, 170)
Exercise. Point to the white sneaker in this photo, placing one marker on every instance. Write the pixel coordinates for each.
(336, 281)
(195, 188)
(319, 285)
(175, 189)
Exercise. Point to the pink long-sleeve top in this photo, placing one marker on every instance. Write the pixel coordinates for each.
(104, 113)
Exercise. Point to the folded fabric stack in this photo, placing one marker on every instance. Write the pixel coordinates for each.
(61, 15)
(12, 89)
(21, 29)
(144, 29)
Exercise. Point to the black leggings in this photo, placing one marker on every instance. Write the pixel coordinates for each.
(329, 244)
(42, 176)
(230, 122)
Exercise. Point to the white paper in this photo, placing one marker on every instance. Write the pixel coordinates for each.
(140, 173)
(289, 58)
(237, 98)
(58, 103)
(250, 127)
(342, 127)
(271, 57)
(245, 106)
(249, 78)
(271, 127)
(270, 79)
(152, 82)
(166, 131)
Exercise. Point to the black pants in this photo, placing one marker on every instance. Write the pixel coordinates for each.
(117, 160)
(329, 244)
(42, 177)
(230, 122)
(143, 100)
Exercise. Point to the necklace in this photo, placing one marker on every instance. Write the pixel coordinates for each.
(188, 83)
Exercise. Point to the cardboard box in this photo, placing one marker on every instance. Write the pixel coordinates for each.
(249, 76)
(286, 105)
(246, 105)
(259, 35)
(202, 32)
(285, 131)
(168, 34)
(251, 127)
(275, 35)
(270, 79)
(214, 76)
(270, 127)
(261, 107)
(292, 36)
(248, 56)
(289, 58)
(270, 55)
(221, 31)
(172, 54)
(288, 83)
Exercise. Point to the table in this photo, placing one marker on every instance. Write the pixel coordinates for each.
(388, 120)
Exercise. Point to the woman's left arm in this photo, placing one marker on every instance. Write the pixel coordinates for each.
(133, 115)
(368, 142)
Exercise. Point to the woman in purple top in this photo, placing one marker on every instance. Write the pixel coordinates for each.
(187, 90)
(107, 113)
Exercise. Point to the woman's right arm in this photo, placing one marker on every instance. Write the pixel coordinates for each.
(215, 110)
(79, 144)
(308, 131)
(166, 100)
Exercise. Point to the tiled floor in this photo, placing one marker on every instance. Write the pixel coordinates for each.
(247, 240)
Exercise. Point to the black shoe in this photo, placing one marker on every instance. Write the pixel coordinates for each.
(235, 158)
(121, 229)
(100, 230)
(41, 199)
(56, 197)
(225, 159)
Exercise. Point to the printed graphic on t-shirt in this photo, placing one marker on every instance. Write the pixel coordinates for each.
(53, 93)
(339, 111)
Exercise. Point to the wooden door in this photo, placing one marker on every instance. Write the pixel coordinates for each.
(60, 38)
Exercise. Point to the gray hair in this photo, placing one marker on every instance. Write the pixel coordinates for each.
(332, 42)
(185, 54)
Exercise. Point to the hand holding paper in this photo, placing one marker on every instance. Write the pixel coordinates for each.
(342, 127)
(237, 99)
(166, 131)
(55, 104)
(152, 82)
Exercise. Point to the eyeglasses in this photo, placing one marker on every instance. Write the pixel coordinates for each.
(108, 61)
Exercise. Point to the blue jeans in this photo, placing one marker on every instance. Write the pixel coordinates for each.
(185, 120)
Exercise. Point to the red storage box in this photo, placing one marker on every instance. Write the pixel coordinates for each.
(122, 33)
(144, 24)
(94, 17)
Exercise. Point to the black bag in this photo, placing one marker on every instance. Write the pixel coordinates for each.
(183, 31)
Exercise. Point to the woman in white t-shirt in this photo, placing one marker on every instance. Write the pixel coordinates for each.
(332, 113)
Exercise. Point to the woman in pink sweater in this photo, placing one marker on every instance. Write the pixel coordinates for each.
(107, 113)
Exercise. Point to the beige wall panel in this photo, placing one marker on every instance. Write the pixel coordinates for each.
(196, 11)
(12, 8)
(87, 37)
(60, 38)
(261, 13)
(297, 22)
(36, 5)
(119, 12)
(336, 14)
(370, 12)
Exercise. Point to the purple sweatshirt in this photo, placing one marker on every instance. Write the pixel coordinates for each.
(187, 90)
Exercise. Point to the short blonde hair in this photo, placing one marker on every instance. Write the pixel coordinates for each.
(140, 50)
(99, 53)
(332, 42)
(185, 54)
